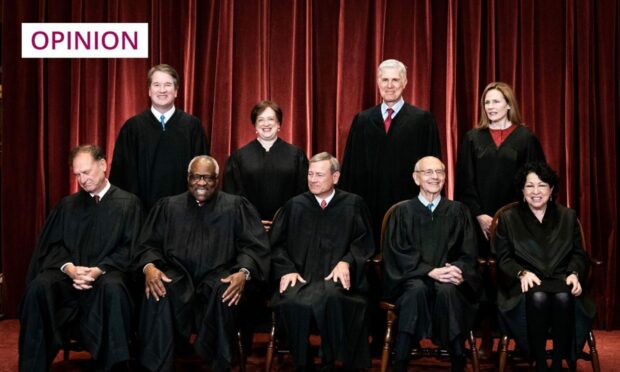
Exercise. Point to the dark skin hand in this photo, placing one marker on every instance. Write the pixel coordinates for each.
(154, 282)
(233, 293)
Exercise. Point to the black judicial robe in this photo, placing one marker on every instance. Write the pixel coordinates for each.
(311, 241)
(378, 166)
(87, 234)
(196, 247)
(551, 250)
(485, 173)
(267, 178)
(152, 163)
(417, 241)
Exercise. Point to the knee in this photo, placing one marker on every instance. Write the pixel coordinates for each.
(446, 290)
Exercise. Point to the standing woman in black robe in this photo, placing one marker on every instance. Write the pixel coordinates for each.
(267, 171)
(541, 264)
(490, 157)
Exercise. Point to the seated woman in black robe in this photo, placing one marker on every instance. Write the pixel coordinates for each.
(541, 264)
(267, 171)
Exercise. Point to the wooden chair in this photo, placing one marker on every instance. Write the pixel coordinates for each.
(416, 351)
(504, 352)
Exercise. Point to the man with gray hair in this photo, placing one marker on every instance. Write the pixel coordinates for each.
(197, 250)
(321, 241)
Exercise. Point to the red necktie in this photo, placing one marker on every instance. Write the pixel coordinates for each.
(323, 204)
(388, 120)
(97, 198)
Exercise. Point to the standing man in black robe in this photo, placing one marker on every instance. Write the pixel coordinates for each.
(77, 275)
(197, 250)
(320, 244)
(429, 258)
(383, 144)
(154, 147)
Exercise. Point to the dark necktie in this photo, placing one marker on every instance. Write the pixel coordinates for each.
(97, 198)
(162, 119)
(388, 120)
(323, 204)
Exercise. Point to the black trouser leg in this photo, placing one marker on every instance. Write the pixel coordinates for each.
(562, 325)
(538, 308)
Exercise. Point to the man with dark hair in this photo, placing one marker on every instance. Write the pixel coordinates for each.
(197, 250)
(154, 147)
(429, 258)
(78, 271)
(320, 244)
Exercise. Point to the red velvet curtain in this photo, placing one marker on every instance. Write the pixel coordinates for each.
(318, 60)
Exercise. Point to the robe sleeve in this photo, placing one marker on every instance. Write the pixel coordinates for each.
(281, 264)
(233, 183)
(466, 191)
(351, 159)
(503, 248)
(433, 142)
(579, 259)
(50, 251)
(124, 170)
(534, 151)
(402, 260)
(302, 173)
(120, 259)
(151, 239)
(467, 250)
(362, 246)
(201, 143)
(251, 242)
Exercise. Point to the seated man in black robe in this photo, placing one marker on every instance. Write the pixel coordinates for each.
(196, 251)
(78, 271)
(429, 258)
(320, 243)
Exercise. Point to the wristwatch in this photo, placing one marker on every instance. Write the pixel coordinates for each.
(246, 272)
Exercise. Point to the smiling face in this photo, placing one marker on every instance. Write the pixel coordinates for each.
(202, 180)
(391, 84)
(162, 91)
(90, 173)
(536, 192)
(267, 125)
(430, 175)
(496, 106)
(321, 180)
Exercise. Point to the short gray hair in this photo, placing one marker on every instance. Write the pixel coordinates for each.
(322, 156)
(205, 158)
(393, 63)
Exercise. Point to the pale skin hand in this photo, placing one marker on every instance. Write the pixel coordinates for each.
(291, 279)
(485, 221)
(447, 274)
(341, 273)
(528, 280)
(83, 277)
(573, 281)
(154, 282)
(233, 293)
(266, 224)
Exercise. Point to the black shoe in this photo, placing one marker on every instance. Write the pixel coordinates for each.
(458, 363)
(400, 365)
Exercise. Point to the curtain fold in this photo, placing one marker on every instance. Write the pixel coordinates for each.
(317, 59)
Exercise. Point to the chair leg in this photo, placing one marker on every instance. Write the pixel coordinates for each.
(596, 367)
(270, 346)
(242, 359)
(385, 356)
(474, 352)
(503, 353)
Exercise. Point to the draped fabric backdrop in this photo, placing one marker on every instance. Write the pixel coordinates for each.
(317, 59)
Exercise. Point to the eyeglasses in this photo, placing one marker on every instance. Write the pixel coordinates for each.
(430, 172)
(194, 178)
